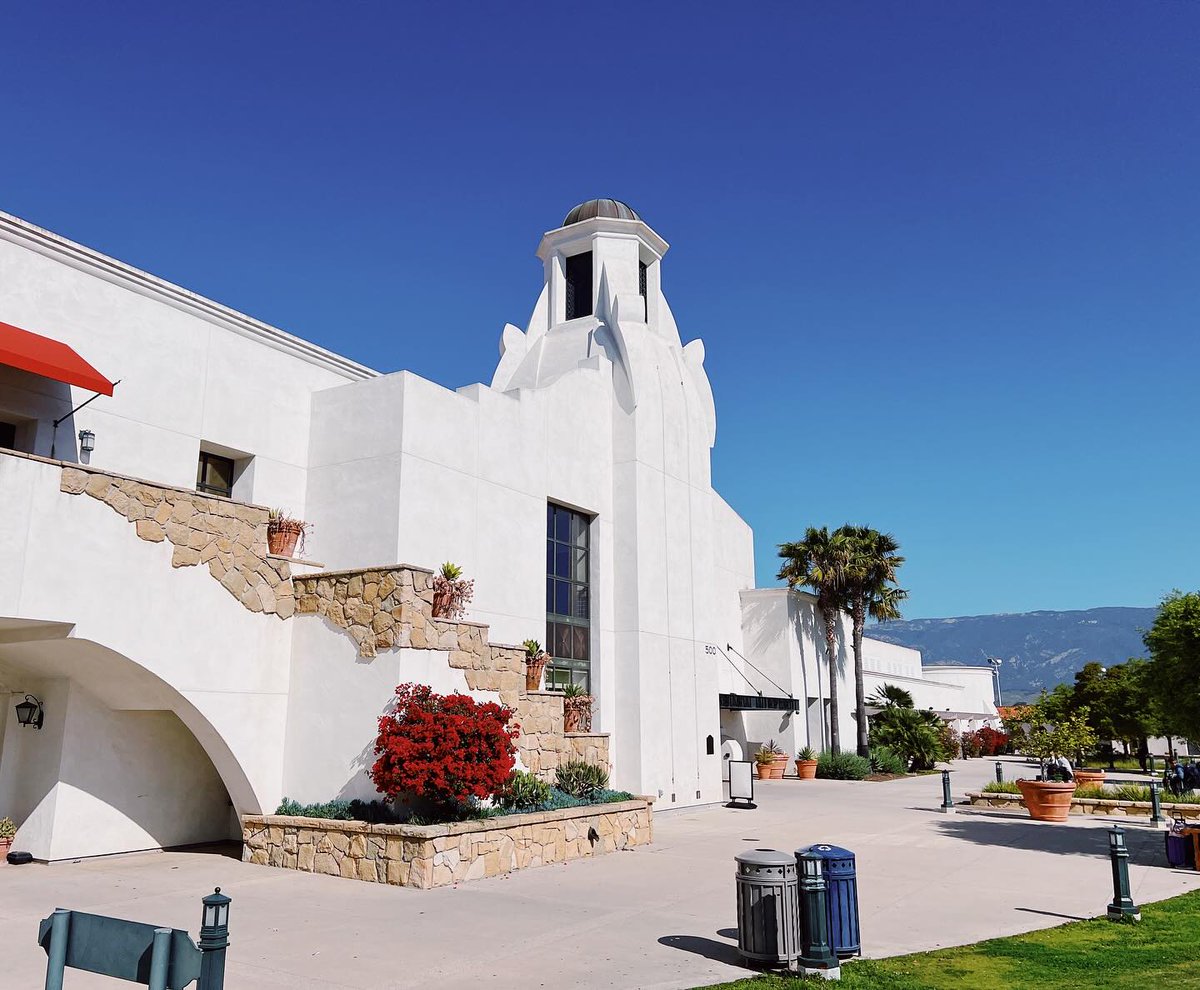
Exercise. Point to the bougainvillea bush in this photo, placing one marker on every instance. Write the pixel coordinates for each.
(444, 750)
(992, 742)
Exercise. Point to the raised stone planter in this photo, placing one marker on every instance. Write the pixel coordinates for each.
(1108, 807)
(428, 856)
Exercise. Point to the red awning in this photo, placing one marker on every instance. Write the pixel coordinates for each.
(49, 358)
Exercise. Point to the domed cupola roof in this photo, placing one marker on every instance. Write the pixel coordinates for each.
(612, 209)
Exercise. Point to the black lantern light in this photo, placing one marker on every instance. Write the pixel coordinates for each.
(214, 941)
(30, 711)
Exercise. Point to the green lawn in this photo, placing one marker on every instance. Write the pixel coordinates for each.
(1161, 951)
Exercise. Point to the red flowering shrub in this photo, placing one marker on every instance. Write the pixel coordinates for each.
(445, 749)
(992, 742)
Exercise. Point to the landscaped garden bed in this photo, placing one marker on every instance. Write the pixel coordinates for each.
(454, 806)
(428, 856)
(1127, 800)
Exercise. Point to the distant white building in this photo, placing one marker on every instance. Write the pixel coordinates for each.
(184, 676)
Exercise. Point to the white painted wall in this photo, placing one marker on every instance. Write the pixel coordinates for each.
(143, 635)
(190, 370)
(334, 707)
(784, 637)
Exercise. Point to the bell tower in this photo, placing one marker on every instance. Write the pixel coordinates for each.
(603, 253)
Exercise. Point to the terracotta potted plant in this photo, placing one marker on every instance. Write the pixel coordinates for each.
(7, 831)
(577, 709)
(780, 763)
(535, 663)
(1049, 800)
(764, 760)
(451, 592)
(284, 532)
(806, 764)
(1089, 778)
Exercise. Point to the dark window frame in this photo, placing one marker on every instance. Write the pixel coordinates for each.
(568, 597)
(578, 272)
(204, 484)
(8, 435)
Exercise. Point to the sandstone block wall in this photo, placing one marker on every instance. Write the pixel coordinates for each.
(436, 855)
(386, 607)
(229, 537)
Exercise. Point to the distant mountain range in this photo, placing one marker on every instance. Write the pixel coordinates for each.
(1039, 649)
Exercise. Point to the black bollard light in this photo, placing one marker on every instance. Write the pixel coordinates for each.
(947, 800)
(1122, 907)
(999, 772)
(816, 952)
(214, 941)
(1156, 815)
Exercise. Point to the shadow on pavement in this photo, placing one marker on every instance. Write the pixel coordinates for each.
(709, 948)
(1054, 914)
(1146, 847)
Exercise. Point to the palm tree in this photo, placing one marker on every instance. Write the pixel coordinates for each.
(869, 590)
(819, 562)
(890, 696)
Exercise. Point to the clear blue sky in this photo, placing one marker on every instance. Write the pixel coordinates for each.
(945, 257)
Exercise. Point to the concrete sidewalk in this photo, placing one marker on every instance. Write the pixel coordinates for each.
(657, 917)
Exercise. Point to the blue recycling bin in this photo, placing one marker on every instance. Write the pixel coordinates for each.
(841, 901)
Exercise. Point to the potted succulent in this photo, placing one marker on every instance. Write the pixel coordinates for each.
(779, 765)
(764, 759)
(283, 532)
(451, 592)
(7, 831)
(806, 763)
(577, 709)
(1050, 800)
(535, 663)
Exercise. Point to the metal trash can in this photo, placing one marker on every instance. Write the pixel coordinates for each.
(841, 901)
(768, 907)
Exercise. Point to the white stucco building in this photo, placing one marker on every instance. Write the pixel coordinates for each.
(185, 680)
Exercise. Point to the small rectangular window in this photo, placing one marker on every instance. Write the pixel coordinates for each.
(214, 475)
(8, 436)
(579, 285)
(642, 279)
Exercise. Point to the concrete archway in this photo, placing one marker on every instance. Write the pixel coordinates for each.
(125, 761)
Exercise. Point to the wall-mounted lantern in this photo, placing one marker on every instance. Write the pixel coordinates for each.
(30, 711)
(87, 441)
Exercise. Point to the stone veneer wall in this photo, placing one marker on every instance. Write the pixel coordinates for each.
(1111, 808)
(386, 607)
(230, 537)
(436, 855)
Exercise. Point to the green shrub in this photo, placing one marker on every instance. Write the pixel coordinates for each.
(524, 792)
(580, 779)
(842, 766)
(913, 735)
(1002, 787)
(337, 810)
(1092, 791)
(884, 760)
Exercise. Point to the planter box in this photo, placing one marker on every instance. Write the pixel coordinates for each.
(428, 856)
(1091, 806)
